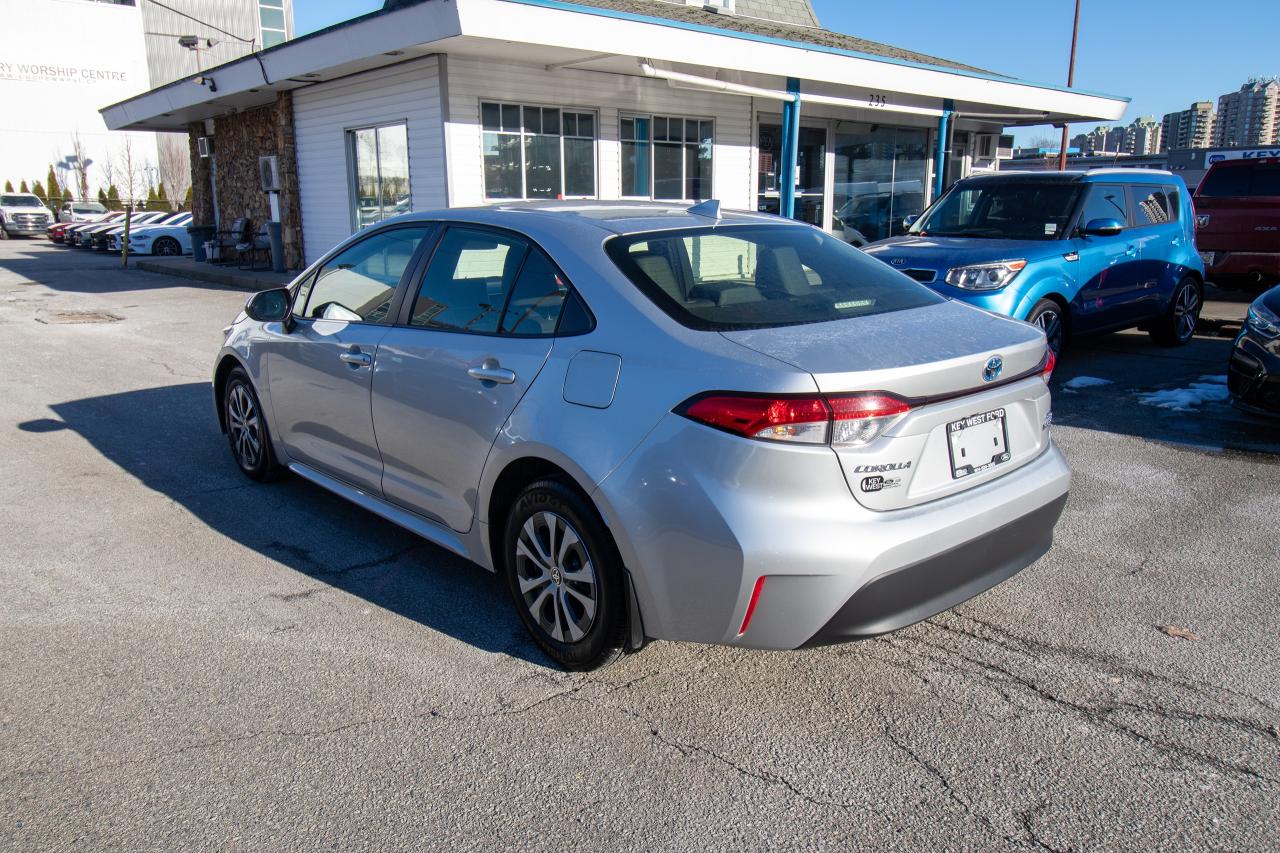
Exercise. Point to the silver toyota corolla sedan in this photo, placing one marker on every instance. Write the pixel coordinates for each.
(657, 421)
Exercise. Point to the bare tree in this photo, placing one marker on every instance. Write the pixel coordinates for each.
(175, 164)
(1043, 141)
(79, 162)
(130, 172)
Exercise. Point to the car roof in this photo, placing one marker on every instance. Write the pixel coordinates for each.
(1080, 176)
(612, 217)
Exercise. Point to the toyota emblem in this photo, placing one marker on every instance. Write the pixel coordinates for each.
(991, 372)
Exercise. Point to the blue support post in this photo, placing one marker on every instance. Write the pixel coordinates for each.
(790, 150)
(940, 155)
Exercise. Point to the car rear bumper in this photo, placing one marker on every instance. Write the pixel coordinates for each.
(1253, 374)
(1241, 265)
(700, 516)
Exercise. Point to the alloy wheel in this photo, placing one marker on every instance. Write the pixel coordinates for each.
(244, 426)
(167, 247)
(1051, 323)
(1186, 311)
(556, 577)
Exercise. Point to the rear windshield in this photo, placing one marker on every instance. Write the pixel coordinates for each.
(1256, 179)
(761, 276)
(1005, 210)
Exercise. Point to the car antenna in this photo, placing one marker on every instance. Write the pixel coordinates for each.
(709, 209)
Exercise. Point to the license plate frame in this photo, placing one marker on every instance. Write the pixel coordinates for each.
(967, 453)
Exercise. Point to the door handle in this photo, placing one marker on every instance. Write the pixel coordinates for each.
(491, 371)
(355, 358)
(1132, 250)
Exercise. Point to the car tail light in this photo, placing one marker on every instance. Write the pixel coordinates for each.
(846, 420)
(1050, 362)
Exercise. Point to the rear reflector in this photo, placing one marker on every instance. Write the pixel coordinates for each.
(840, 419)
(751, 605)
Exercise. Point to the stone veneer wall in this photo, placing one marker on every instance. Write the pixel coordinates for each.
(239, 139)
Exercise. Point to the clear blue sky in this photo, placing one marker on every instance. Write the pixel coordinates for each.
(1162, 53)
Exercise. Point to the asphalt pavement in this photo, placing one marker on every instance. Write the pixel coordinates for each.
(191, 661)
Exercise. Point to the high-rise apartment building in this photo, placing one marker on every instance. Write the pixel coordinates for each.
(1100, 140)
(1141, 137)
(1250, 116)
(1189, 128)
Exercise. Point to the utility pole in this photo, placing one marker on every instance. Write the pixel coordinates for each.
(1071, 81)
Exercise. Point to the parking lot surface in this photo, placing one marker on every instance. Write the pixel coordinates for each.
(193, 661)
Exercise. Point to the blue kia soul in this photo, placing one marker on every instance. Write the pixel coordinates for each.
(1073, 252)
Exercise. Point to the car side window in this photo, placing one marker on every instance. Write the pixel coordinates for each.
(1104, 201)
(537, 299)
(359, 283)
(467, 282)
(1150, 205)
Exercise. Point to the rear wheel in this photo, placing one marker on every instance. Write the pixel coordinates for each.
(1178, 325)
(1047, 314)
(247, 429)
(166, 246)
(565, 576)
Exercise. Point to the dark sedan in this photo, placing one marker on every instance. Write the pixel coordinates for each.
(1254, 372)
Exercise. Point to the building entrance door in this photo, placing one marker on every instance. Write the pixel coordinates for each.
(811, 173)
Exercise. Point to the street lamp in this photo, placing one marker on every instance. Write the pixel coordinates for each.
(1071, 79)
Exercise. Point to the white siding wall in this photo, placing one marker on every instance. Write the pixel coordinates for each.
(325, 112)
(472, 80)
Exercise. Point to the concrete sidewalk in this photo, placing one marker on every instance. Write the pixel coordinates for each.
(224, 274)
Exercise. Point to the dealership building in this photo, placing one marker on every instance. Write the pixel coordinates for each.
(440, 103)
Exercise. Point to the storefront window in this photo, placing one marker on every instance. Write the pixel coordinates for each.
(811, 159)
(538, 152)
(880, 179)
(380, 173)
(667, 157)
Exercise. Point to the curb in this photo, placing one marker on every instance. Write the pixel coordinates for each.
(241, 280)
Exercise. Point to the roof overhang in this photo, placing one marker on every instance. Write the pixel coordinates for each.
(560, 34)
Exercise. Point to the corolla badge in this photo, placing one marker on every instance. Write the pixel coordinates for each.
(991, 372)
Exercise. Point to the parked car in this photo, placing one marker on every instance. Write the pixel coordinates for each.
(23, 214)
(1238, 223)
(101, 238)
(1253, 374)
(72, 232)
(656, 422)
(81, 211)
(57, 231)
(169, 237)
(1071, 252)
(115, 237)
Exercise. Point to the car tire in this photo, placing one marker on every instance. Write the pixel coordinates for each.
(1178, 325)
(166, 247)
(565, 576)
(247, 432)
(4, 235)
(1051, 319)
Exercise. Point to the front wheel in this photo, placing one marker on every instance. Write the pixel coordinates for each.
(1178, 325)
(247, 429)
(565, 576)
(1047, 314)
(166, 246)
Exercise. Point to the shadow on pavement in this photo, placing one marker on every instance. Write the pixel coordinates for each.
(1104, 384)
(168, 438)
(67, 270)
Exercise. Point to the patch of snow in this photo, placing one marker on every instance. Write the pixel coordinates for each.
(1209, 389)
(1085, 382)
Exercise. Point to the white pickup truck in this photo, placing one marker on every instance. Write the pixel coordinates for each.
(23, 213)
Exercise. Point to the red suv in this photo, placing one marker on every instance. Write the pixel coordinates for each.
(1238, 222)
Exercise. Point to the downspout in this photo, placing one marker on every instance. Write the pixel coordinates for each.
(790, 150)
(940, 154)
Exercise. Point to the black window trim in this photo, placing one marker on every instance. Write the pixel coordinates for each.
(403, 312)
(431, 232)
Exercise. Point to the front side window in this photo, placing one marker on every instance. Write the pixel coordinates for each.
(538, 152)
(358, 284)
(272, 23)
(1105, 201)
(380, 173)
(489, 283)
(761, 276)
(667, 157)
(1003, 210)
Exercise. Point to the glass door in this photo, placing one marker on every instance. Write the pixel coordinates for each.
(880, 179)
(811, 172)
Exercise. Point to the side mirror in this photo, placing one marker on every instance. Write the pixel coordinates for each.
(270, 306)
(1102, 228)
(909, 220)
